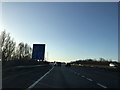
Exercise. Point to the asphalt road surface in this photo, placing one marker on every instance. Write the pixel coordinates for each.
(61, 77)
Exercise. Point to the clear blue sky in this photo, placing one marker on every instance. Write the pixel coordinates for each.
(70, 30)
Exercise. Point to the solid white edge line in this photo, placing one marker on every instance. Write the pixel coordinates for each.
(101, 85)
(31, 86)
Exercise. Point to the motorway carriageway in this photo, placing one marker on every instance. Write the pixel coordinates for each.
(61, 77)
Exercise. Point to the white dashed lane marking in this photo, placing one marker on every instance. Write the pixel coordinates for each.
(101, 85)
(83, 76)
(89, 79)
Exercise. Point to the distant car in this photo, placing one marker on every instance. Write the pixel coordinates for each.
(112, 65)
(68, 65)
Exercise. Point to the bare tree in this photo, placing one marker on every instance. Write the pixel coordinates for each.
(3, 36)
(7, 46)
(11, 48)
(24, 51)
(21, 50)
(10, 51)
(16, 53)
(102, 59)
(27, 51)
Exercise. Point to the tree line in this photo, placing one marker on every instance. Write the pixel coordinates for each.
(101, 61)
(11, 51)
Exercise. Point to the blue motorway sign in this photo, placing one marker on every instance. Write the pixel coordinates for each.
(38, 51)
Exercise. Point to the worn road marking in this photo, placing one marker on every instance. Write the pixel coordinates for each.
(31, 86)
(101, 85)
